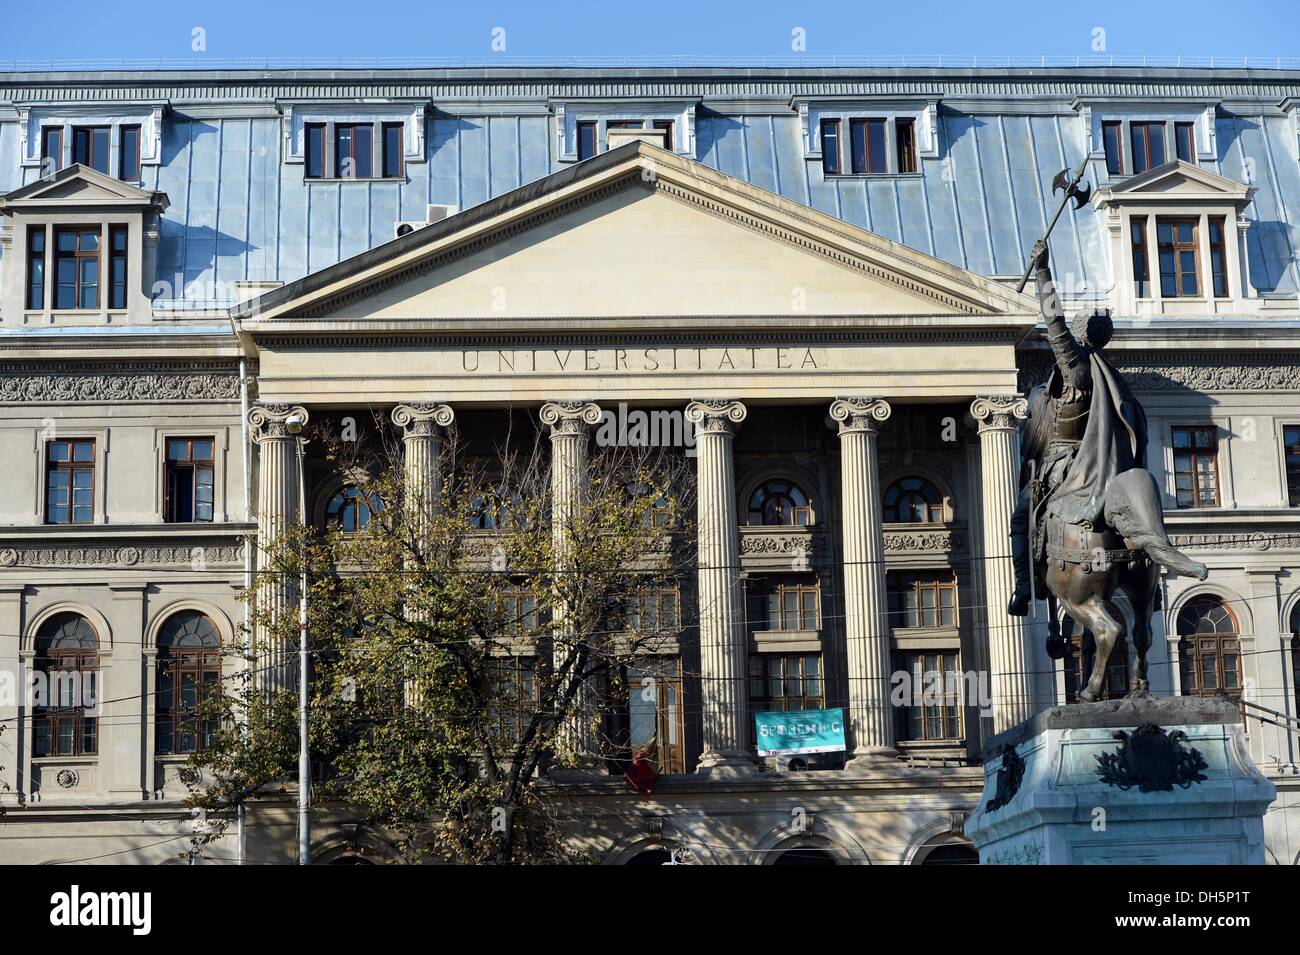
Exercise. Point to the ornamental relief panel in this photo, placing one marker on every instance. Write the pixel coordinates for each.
(1147, 373)
(159, 382)
(134, 554)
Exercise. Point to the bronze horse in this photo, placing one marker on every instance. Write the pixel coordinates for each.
(1084, 567)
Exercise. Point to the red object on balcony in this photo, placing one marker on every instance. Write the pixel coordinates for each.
(641, 776)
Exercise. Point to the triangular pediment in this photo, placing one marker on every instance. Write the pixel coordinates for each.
(78, 185)
(1177, 181)
(634, 232)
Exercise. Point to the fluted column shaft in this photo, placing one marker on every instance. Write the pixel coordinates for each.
(570, 426)
(723, 644)
(278, 483)
(422, 427)
(866, 623)
(1012, 683)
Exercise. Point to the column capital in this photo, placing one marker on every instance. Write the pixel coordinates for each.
(716, 415)
(999, 412)
(859, 414)
(271, 421)
(421, 418)
(569, 417)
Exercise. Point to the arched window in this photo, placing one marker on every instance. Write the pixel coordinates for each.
(189, 671)
(350, 510)
(953, 853)
(1209, 651)
(913, 500)
(780, 503)
(67, 656)
(1295, 653)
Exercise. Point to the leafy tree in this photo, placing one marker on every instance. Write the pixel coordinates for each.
(454, 647)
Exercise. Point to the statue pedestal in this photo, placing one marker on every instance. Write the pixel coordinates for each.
(1125, 782)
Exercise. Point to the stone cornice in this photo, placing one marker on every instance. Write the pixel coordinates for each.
(1215, 371)
(117, 382)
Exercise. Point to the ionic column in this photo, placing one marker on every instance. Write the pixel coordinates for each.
(422, 425)
(723, 643)
(277, 510)
(570, 426)
(1009, 659)
(866, 623)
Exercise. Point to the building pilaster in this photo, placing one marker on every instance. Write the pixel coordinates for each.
(724, 648)
(1009, 659)
(422, 425)
(570, 428)
(278, 482)
(866, 624)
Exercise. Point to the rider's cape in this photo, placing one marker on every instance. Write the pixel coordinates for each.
(1114, 440)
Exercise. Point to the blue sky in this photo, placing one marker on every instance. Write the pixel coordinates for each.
(73, 29)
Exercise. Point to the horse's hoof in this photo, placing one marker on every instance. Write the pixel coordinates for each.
(1056, 648)
(1086, 696)
(1138, 693)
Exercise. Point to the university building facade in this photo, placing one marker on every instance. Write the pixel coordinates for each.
(815, 268)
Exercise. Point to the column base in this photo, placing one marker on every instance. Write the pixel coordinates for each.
(872, 760)
(585, 771)
(727, 765)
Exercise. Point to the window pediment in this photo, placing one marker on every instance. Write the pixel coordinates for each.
(1177, 182)
(77, 186)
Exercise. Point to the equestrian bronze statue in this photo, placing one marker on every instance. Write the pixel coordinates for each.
(1088, 522)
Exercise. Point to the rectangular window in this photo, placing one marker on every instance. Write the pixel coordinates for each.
(117, 236)
(1112, 142)
(793, 605)
(780, 681)
(922, 599)
(667, 126)
(36, 267)
(1179, 257)
(514, 697)
(1141, 269)
(830, 133)
(90, 147)
(1185, 142)
(1291, 453)
(1218, 258)
(649, 716)
(76, 267)
(934, 706)
(394, 134)
(905, 143)
(128, 153)
(353, 153)
(655, 610)
(586, 140)
(1148, 145)
(51, 149)
(868, 145)
(1196, 466)
(70, 481)
(314, 148)
(189, 480)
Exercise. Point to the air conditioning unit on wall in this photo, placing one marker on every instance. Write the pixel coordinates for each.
(433, 213)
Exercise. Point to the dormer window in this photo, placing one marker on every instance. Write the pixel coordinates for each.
(51, 149)
(1178, 242)
(117, 141)
(348, 142)
(582, 128)
(1132, 146)
(868, 150)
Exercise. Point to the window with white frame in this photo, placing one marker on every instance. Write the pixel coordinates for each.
(582, 129)
(1132, 143)
(341, 144)
(119, 143)
(865, 138)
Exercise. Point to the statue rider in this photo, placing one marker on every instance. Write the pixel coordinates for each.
(1084, 428)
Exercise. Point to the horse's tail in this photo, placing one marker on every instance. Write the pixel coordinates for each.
(1132, 507)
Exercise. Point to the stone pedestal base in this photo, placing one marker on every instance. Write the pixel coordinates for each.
(1128, 782)
(726, 766)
